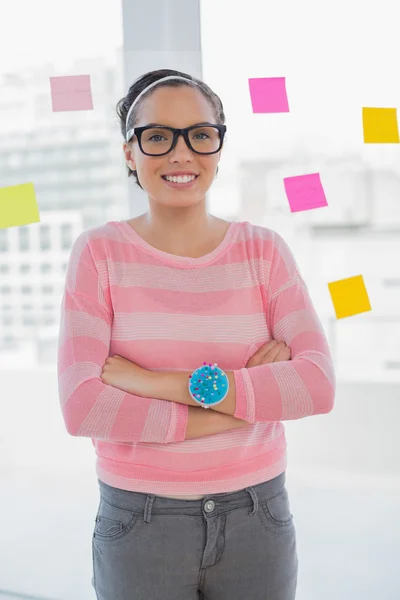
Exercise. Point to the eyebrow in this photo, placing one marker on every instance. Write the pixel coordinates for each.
(161, 125)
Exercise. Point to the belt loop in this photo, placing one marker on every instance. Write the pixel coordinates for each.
(147, 508)
(254, 497)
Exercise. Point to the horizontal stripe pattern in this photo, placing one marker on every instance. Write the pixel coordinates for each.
(170, 313)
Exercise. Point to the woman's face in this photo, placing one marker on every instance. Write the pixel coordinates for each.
(174, 107)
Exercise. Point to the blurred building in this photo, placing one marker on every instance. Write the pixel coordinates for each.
(357, 234)
(33, 262)
(75, 161)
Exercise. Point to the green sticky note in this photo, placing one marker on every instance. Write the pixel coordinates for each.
(18, 206)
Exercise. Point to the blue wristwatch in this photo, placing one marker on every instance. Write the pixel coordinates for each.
(208, 385)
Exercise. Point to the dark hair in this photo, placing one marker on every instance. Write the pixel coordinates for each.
(140, 84)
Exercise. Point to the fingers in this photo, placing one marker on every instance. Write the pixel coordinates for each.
(265, 348)
(257, 357)
(284, 354)
(270, 352)
(274, 351)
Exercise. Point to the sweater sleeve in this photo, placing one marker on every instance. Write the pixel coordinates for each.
(91, 408)
(305, 385)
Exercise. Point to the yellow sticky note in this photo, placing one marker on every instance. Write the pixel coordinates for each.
(380, 126)
(349, 296)
(18, 206)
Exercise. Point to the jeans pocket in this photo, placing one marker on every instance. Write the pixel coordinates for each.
(275, 512)
(113, 523)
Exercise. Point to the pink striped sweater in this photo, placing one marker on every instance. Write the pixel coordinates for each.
(170, 313)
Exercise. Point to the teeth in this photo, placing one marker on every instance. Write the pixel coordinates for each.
(184, 179)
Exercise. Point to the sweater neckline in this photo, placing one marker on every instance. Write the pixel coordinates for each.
(228, 239)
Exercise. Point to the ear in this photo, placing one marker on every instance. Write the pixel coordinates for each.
(128, 156)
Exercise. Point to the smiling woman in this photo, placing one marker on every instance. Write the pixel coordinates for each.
(146, 302)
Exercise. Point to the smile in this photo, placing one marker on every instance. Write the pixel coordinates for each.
(180, 182)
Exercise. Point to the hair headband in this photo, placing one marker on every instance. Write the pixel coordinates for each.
(130, 131)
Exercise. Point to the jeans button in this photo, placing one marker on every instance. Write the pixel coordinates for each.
(209, 506)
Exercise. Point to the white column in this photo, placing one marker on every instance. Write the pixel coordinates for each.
(158, 34)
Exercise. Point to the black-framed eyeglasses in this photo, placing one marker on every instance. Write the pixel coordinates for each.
(157, 140)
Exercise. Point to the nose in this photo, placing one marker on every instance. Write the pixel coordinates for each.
(181, 150)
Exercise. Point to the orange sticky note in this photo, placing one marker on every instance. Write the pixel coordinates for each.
(18, 206)
(380, 126)
(349, 296)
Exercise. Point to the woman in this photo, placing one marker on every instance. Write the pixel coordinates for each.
(193, 502)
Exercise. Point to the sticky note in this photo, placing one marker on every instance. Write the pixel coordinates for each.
(18, 205)
(268, 95)
(380, 126)
(71, 92)
(349, 296)
(305, 192)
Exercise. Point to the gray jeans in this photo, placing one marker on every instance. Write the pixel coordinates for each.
(227, 546)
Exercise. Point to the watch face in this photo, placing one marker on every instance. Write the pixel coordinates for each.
(208, 385)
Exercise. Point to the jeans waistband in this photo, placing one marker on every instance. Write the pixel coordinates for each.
(223, 502)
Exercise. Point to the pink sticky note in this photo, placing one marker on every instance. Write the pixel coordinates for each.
(268, 95)
(305, 192)
(71, 92)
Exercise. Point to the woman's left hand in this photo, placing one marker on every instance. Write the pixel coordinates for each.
(128, 377)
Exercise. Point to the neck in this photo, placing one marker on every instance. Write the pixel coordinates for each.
(181, 230)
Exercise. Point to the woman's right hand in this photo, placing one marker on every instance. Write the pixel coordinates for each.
(270, 352)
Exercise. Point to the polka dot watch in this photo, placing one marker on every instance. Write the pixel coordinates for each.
(208, 385)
